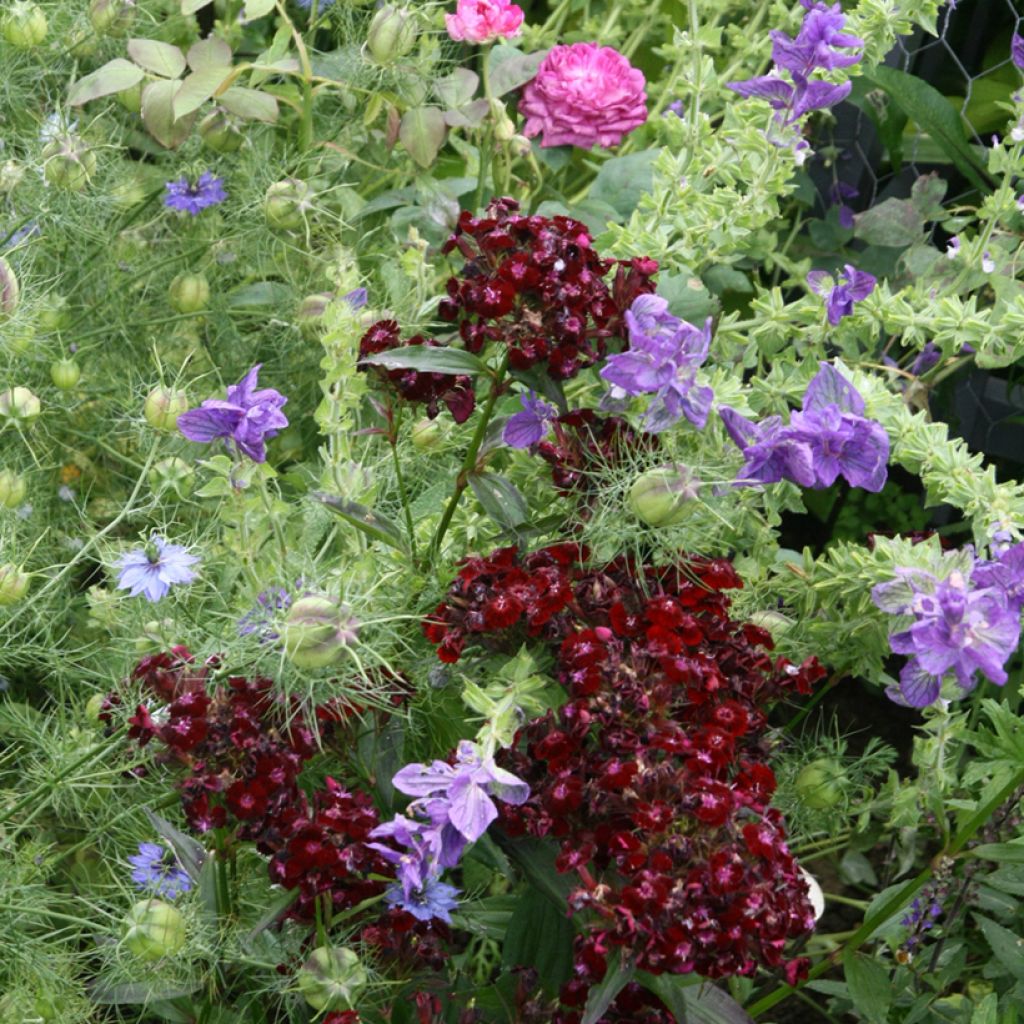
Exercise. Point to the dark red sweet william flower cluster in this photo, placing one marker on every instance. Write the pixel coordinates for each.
(538, 285)
(654, 777)
(455, 391)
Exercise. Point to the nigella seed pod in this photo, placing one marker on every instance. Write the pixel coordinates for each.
(12, 488)
(19, 404)
(189, 293)
(392, 34)
(174, 475)
(9, 289)
(664, 496)
(311, 312)
(163, 407)
(426, 435)
(316, 631)
(54, 315)
(112, 17)
(24, 24)
(221, 132)
(286, 203)
(332, 978)
(68, 162)
(820, 784)
(154, 929)
(14, 584)
(65, 374)
(94, 707)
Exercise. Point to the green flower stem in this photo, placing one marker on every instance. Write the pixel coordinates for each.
(898, 899)
(403, 492)
(834, 897)
(306, 79)
(462, 480)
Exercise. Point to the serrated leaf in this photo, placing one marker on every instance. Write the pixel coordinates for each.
(500, 499)
(249, 104)
(191, 854)
(539, 936)
(114, 76)
(158, 115)
(135, 993)
(602, 995)
(422, 131)
(694, 1000)
(434, 360)
(161, 58)
(197, 88)
(869, 985)
(510, 69)
(456, 89)
(258, 8)
(365, 520)
(211, 52)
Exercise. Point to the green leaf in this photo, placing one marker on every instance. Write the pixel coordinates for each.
(158, 115)
(986, 1012)
(260, 294)
(197, 88)
(622, 180)
(191, 854)
(457, 89)
(422, 131)
(160, 58)
(191, 6)
(249, 104)
(889, 119)
(114, 76)
(1007, 946)
(934, 114)
(539, 935)
(500, 499)
(211, 52)
(508, 68)
(602, 995)
(279, 903)
(894, 222)
(927, 194)
(721, 279)
(257, 8)
(434, 360)
(365, 520)
(1002, 853)
(869, 985)
(536, 859)
(138, 992)
(694, 1000)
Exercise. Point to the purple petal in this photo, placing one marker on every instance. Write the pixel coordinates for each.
(918, 688)
(472, 810)
(830, 387)
(211, 420)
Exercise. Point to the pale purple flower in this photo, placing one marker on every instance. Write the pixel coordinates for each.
(259, 619)
(987, 263)
(528, 427)
(771, 453)
(1017, 51)
(839, 193)
(1006, 574)
(155, 869)
(154, 569)
(840, 297)
(802, 97)
(185, 197)
(929, 355)
(248, 417)
(953, 247)
(357, 298)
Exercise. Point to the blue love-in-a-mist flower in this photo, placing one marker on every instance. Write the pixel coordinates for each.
(155, 568)
(155, 869)
(182, 195)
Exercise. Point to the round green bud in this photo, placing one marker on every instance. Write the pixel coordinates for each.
(189, 293)
(65, 374)
(221, 132)
(427, 435)
(285, 204)
(19, 404)
(112, 17)
(173, 474)
(392, 34)
(978, 989)
(9, 289)
(316, 631)
(663, 496)
(18, 340)
(332, 978)
(24, 24)
(163, 406)
(82, 41)
(821, 784)
(94, 706)
(68, 162)
(53, 314)
(14, 584)
(154, 929)
(130, 98)
(12, 488)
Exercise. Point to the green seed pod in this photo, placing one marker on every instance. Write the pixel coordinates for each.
(392, 34)
(68, 162)
(175, 475)
(12, 488)
(221, 132)
(427, 435)
(163, 407)
(189, 293)
(286, 203)
(24, 24)
(112, 17)
(82, 40)
(54, 315)
(332, 978)
(9, 289)
(65, 374)
(94, 706)
(316, 631)
(14, 584)
(663, 496)
(821, 784)
(154, 929)
(19, 404)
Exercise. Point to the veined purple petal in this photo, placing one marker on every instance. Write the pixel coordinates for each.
(211, 420)
(776, 91)
(918, 687)
(830, 387)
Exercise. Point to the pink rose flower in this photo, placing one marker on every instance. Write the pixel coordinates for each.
(483, 21)
(584, 95)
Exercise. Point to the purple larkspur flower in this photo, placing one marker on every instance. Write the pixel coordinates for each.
(840, 294)
(662, 359)
(155, 869)
(1017, 51)
(929, 355)
(248, 417)
(357, 298)
(154, 569)
(1006, 573)
(528, 427)
(771, 454)
(802, 97)
(182, 195)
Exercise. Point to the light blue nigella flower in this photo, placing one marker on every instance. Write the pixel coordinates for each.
(182, 195)
(152, 570)
(155, 869)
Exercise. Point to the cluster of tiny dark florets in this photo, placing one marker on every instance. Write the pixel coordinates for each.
(653, 778)
(537, 285)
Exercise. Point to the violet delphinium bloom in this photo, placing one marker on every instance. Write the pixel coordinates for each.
(1006, 574)
(155, 869)
(528, 427)
(1017, 51)
(662, 359)
(771, 453)
(840, 297)
(182, 195)
(357, 298)
(929, 355)
(247, 418)
(152, 570)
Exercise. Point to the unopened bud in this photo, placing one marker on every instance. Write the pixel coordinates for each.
(189, 293)
(175, 475)
(65, 374)
(221, 132)
(310, 315)
(775, 622)
(13, 584)
(426, 434)
(24, 24)
(19, 404)
(12, 488)
(332, 978)
(9, 289)
(504, 129)
(112, 17)
(68, 162)
(316, 631)
(163, 407)
(820, 784)
(286, 203)
(664, 496)
(154, 929)
(53, 314)
(392, 34)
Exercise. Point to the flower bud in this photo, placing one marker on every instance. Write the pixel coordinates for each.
(94, 707)
(426, 434)
(13, 584)
(12, 488)
(221, 132)
(68, 162)
(189, 293)
(65, 374)
(504, 129)
(54, 315)
(154, 929)
(163, 407)
(392, 34)
(285, 204)
(775, 622)
(662, 496)
(316, 630)
(9, 290)
(311, 312)
(19, 404)
(520, 146)
(332, 978)
(820, 784)
(112, 17)
(24, 24)
(174, 475)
